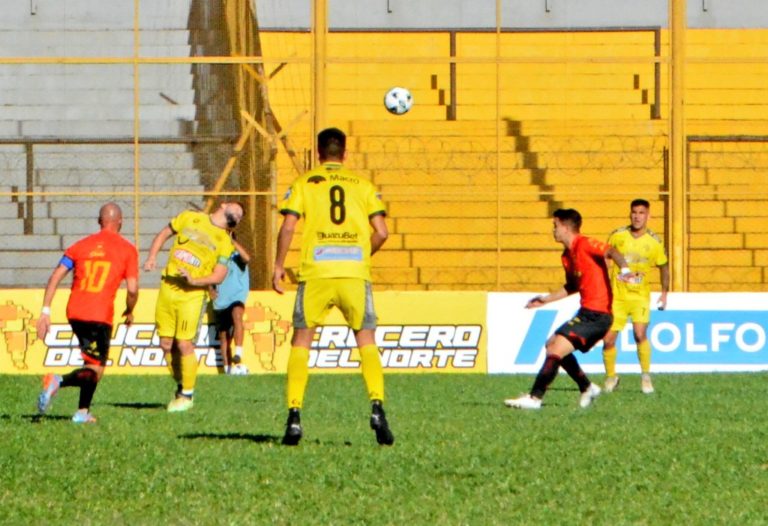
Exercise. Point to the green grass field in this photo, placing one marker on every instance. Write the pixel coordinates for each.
(693, 453)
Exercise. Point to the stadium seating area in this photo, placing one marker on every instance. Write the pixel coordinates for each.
(470, 175)
(582, 132)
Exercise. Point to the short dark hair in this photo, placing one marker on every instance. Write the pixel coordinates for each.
(569, 216)
(331, 143)
(640, 202)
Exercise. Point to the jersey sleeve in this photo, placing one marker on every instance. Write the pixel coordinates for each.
(225, 250)
(596, 247)
(178, 222)
(374, 204)
(293, 201)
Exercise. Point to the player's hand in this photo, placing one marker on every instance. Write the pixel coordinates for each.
(128, 315)
(662, 303)
(184, 273)
(43, 325)
(150, 264)
(277, 277)
(631, 277)
(533, 303)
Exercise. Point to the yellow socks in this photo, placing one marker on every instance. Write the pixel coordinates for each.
(609, 360)
(188, 374)
(644, 356)
(298, 376)
(373, 372)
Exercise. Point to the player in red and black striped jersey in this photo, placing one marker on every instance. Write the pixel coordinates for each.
(100, 262)
(586, 272)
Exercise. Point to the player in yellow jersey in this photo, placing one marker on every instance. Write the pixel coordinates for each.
(198, 259)
(643, 250)
(343, 226)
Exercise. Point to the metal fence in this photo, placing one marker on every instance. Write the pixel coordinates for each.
(508, 124)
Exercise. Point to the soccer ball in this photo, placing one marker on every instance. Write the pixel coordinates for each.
(239, 369)
(398, 101)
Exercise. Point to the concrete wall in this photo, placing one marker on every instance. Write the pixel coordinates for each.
(398, 14)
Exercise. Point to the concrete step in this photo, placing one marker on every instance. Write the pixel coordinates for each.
(99, 177)
(52, 96)
(112, 128)
(71, 112)
(163, 78)
(91, 15)
(150, 207)
(157, 160)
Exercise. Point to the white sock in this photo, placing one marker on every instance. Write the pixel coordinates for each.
(238, 350)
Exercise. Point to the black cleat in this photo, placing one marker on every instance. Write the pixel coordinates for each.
(380, 425)
(236, 359)
(292, 428)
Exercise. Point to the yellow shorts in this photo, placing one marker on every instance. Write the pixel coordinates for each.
(179, 311)
(639, 309)
(352, 296)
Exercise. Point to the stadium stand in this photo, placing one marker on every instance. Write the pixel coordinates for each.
(66, 131)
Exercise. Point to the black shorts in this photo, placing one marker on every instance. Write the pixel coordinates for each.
(586, 328)
(94, 340)
(223, 317)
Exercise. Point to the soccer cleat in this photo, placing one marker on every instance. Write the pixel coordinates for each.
(646, 385)
(293, 432)
(236, 359)
(592, 392)
(524, 402)
(380, 425)
(180, 404)
(611, 383)
(51, 383)
(84, 418)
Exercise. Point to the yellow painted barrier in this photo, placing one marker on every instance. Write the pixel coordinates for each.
(418, 332)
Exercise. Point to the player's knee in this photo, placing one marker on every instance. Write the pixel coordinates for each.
(88, 376)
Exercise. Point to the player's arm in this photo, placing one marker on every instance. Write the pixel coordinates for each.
(538, 301)
(131, 298)
(664, 276)
(44, 323)
(625, 274)
(284, 238)
(241, 250)
(214, 278)
(157, 243)
(380, 232)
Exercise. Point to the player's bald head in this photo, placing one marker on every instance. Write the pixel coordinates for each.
(111, 214)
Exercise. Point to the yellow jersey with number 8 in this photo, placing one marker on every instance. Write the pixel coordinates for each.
(336, 206)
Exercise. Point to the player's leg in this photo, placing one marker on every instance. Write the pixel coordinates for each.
(644, 356)
(94, 341)
(238, 331)
(190, 307)
(165, 323)
(557, 346)
(308, 312)
(620, 316)
(355, 300)
(223, 321)
(225, 351)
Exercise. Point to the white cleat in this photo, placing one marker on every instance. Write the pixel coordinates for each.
(523, 402)
(646, 385)
(592, 392)
(611, 383)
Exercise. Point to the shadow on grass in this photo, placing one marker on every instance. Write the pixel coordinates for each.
(36, 419)
(233, 436)
(137, 405)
